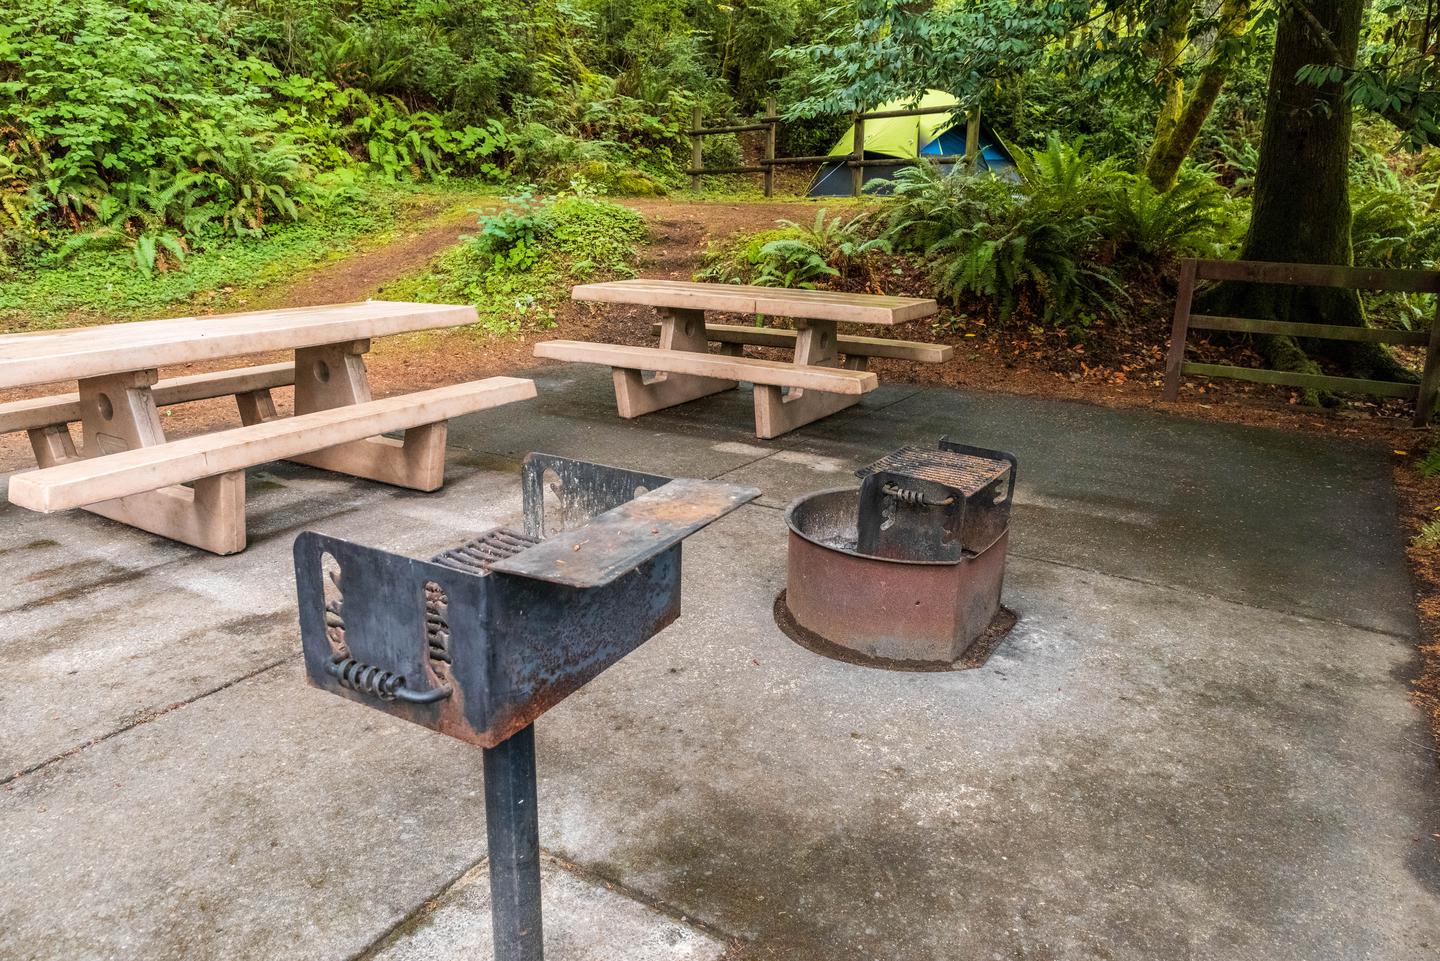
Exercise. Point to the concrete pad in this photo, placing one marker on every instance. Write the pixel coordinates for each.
(114, 624)
(584, 921)
(267, 821)
(574, 414)
(1138, 773)
(1165, 760)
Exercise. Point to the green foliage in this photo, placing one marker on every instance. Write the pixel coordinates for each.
(1195, 217)
(1393, 226)
(830, 249)
(1053, 238)
(1013, 247)
(219, 272)
(886, 49)
(149, 125)
(118, 117)
(1429, 465)
(525, 257)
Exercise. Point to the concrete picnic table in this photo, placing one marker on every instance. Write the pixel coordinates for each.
(814, 384)
(126, 469)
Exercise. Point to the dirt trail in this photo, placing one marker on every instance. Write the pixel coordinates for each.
(679, 233)
(360, 276)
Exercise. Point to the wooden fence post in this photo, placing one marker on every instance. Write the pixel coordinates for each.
(697, 159)
(857, 156)
(1181, 328)
(1430, 378)
(770, 118)
(972, 139)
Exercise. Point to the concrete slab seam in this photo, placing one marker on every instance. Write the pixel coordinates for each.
(427, 907)
(146, 718)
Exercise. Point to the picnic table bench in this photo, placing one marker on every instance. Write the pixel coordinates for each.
(125, 468)
(815, 384)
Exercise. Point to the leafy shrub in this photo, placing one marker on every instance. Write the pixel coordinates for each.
(1429, 465)
(1393, 227)
(739, 260)
(985, 236)
(1012, 247)
(1192, 218)
(123, 127)
(1428, 538)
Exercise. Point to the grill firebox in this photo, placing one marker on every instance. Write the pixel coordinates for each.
(907, 570)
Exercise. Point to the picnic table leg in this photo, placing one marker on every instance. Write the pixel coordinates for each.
(117, 413)
(778, 411)
(640, 392)
(334, 376)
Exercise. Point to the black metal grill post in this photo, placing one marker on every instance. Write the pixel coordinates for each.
(512, 824)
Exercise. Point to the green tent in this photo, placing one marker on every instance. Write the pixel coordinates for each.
(935, 134)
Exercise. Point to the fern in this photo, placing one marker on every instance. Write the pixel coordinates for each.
(792, 263)
(1191, 218)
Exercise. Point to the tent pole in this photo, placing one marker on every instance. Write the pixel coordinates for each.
(972, 139)
(857, 155)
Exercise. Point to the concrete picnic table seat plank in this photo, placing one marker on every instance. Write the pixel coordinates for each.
(85, 481)
(35, 412)
(837, 380)
(44, 357)
(848, 344)
(876, 309)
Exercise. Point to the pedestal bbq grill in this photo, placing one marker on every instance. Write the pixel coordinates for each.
(483, 638)
(906, 571)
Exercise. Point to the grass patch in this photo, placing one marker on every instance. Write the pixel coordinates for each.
(523, 260)
(220, 272)
(1429, 536)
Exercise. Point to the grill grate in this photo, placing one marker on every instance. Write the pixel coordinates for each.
(476, 556)
(967, 474)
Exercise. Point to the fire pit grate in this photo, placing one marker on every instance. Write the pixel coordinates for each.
(967, 474)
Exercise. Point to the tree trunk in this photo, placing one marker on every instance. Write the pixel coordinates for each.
(1169, 51)
(1301, 212)
(1182, 118)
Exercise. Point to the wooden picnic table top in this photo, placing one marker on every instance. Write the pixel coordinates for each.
(44, 357)
(848, 308)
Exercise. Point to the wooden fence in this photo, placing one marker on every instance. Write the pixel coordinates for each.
(856, 161)
(1307, 275)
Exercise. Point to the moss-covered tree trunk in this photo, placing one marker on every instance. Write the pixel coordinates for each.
(1302, 199)
(1183, 113)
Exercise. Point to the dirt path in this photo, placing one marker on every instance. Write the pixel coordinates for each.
(360, 276)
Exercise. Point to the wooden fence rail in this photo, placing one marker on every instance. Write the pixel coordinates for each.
(856, 161)
(1307, 275)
